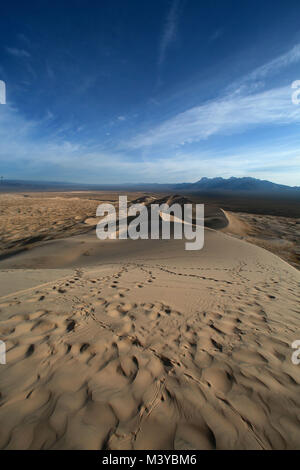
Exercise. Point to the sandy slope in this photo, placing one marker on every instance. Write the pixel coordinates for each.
(280, 235)
(145, 345)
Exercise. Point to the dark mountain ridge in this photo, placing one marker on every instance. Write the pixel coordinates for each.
(246, 185)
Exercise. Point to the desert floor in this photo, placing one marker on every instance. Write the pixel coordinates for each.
(140, 344)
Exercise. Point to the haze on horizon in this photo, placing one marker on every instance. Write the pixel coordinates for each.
(163, 91)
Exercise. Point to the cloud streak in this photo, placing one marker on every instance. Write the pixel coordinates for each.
(229, 115)
(289, 58)
(162, 153)
(60, 159)
(20, 53)
(169, 32)
(255, 79)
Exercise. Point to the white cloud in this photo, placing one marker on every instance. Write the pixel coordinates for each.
(290, 57)
(18, 139)
(171, 158)
(229, 115)
(22, 155)
(242, 107)
(17, 52)
(169, 32)
(277, 163)
(257, 78)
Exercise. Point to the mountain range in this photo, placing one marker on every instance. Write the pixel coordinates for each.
(246, 185)
(235, 184)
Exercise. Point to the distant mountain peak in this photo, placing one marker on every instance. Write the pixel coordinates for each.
(233, 183)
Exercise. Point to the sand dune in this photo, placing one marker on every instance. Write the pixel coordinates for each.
(278, 234)
(143, 345)
(27, 219)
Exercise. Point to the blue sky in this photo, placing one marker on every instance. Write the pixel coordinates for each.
(149, 91)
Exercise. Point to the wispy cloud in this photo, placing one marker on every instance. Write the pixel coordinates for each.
(243, 105)
(289, 58)
(216, 35)
(272, 161)
(170, 31)
(255, 79)
(17, 52)
(36, 149)
(22, 37)
(23, 155)
(229, 115)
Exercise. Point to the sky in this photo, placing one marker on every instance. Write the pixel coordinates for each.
(165, 91)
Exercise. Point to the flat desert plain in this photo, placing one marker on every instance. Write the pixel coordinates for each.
(123, 344)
